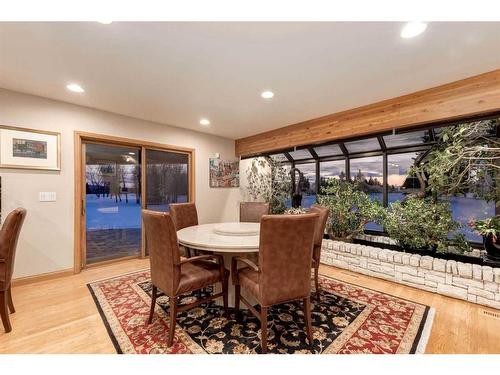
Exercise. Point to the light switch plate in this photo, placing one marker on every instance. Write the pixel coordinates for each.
(47, 196)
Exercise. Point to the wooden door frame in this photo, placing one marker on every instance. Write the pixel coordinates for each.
(80, 138)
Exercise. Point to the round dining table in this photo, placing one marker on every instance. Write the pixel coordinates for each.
(228, 240)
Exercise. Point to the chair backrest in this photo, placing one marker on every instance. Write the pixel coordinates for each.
(252, 212)
(164, 255)
(286, 245)
(184, 215)
(323, 213)
(9, 234)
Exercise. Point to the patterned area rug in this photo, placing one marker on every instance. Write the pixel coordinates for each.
(347, 319)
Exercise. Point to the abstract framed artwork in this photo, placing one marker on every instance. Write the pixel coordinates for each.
(29, 149)
(224, 173)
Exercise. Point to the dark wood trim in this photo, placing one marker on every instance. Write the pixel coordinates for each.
(317, 177)
(288, 157)
(385, 188)
(343, 149)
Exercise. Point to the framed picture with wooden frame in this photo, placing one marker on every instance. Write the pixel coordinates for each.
(29, 149)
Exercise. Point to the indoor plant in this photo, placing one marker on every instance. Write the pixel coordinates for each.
(350, 209)
(270, 181)
(490, 230)
(464, 159)
(423, 224)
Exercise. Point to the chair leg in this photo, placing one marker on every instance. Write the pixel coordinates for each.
(237, 293)
(316, 280)
(11, 302)
(3, 311)
(173, 320)
(225, 288)
(306, 305)
(263, 329)
(153, 304)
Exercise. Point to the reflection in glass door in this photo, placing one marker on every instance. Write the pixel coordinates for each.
(112, 202)
(167, 180)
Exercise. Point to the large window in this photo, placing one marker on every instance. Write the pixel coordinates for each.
(331, 169)
(309, 195)
(465, 208)
(363, 161)
(399, 183)
(368, 174)
(300, 154)
(363, 145)
(328, 150)
(167, 179)
(406, 139)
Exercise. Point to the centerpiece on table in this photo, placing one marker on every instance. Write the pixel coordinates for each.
(295, 211)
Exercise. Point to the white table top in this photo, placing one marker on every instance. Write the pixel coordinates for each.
(222, 237)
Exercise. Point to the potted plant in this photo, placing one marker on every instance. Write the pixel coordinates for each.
(490, 230)
(350, 209)
(423, 224)
(269, 180)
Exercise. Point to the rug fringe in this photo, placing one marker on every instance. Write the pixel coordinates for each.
(426, 332)
(117, 276)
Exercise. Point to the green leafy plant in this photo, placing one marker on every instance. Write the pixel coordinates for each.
(350, 209)
(487, 227)
(270, 181)
(465, 159)
(418, 223)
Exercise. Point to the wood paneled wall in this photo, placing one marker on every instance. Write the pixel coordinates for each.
(474, 96)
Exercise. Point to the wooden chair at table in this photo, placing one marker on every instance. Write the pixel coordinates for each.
(184, 215)
(284, 271)
(323, 213)
(252, 212)
(9, 235)
(175, 275)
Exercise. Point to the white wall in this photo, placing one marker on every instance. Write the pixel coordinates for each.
(46, 242)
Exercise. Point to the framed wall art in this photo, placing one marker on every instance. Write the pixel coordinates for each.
(224, 173)
(29, 149)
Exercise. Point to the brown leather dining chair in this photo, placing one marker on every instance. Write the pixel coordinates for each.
(184, 215)
(251, 212)
(323, 213)
(9, 235)
(175, 275)
(284, 270)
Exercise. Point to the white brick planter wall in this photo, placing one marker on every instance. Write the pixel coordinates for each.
(470, 282)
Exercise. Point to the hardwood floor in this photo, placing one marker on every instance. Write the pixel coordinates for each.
(59, 316)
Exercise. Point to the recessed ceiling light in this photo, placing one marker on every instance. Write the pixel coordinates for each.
(412, 29)
(75, 87)
(132, 153)
(204, 121)
(267, 94)
(105, 22)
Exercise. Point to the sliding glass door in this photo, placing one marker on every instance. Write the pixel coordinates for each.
(116, 179)
(112, 202)
(167, 180)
